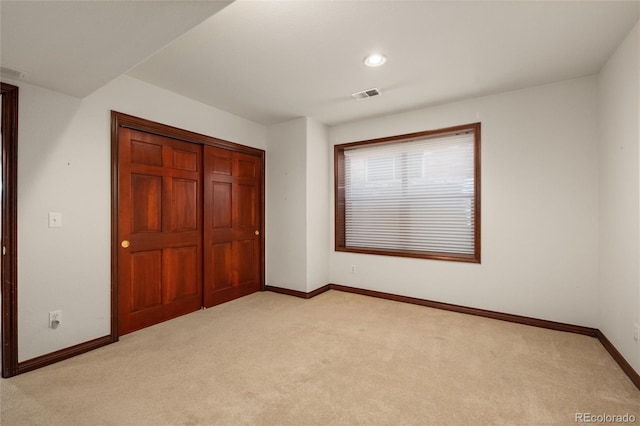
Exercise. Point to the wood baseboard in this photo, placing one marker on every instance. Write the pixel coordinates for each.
(552, 325)
(296, 293)
(72, 351)
(62, 354)
(617, 356)
(535, 322)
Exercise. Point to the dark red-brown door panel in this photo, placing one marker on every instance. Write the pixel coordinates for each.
(232, 220)
(189, 225)
(160, 229)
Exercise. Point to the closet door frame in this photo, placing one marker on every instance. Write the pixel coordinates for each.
(119, 121)
(9, 255)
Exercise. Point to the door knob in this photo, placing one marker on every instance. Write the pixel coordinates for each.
(257, 232)
(124, 243)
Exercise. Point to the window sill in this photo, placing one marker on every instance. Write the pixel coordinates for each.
(453, 257)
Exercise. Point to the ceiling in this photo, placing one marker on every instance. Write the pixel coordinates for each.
(270, 61)
(76, 47)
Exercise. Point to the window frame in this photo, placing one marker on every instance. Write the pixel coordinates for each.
(340, 198)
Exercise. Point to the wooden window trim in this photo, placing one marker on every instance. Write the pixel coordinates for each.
(339, 191)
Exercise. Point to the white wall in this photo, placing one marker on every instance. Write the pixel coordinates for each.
(540, 203)
(297, 205)
(64, 166)
(318, 244)
(286, 188)
(619, 161)
(539, 207)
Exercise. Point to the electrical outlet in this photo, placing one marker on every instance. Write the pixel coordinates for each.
(353, 269)
(55, 319)
(636, 333)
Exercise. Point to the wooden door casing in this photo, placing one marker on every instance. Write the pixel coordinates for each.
(9, 97)
(160, 209)
(232, 225)
(248, 162)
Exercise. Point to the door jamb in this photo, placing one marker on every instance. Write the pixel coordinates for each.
(120, 120)
(9, 279)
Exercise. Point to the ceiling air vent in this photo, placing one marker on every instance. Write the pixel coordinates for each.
(366, 94)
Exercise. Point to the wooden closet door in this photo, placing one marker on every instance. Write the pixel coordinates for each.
(160, 229)
(232, 218)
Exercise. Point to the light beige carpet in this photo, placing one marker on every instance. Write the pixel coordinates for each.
(339, 358)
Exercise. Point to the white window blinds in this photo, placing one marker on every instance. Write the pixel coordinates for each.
(415, 195)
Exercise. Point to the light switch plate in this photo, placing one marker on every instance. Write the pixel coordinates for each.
(55, 219)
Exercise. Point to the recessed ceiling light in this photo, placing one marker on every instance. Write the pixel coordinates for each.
(375, 60)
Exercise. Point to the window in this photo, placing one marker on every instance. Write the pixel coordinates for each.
(415, 195)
